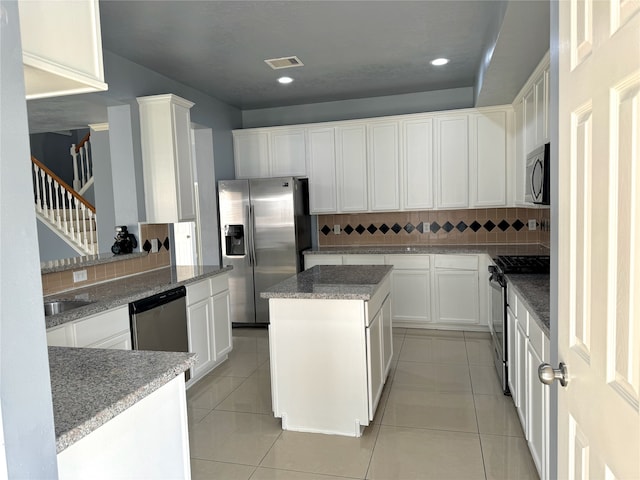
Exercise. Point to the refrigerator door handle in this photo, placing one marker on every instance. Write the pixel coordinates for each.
(249, 237)
(252, 228)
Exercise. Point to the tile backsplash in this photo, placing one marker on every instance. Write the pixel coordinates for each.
(436, 227)
(61, 281)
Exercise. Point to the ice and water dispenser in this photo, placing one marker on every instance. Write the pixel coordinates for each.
(234, 239)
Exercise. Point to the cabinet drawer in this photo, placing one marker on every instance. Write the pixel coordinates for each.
(313, 260)
(198, 291)
(363, 259)
(536, 337)
(101, 326)
(57, 337)
(408, 262)
(523, 319)
(219, 284)
(457, 262)
(512, 300)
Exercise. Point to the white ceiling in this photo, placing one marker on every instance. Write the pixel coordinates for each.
(351, 49)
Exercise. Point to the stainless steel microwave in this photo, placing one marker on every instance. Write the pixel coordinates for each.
(537, 187)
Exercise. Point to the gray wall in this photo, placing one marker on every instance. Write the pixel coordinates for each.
(103, 190)
(360, 108)
(26, 429)
(51, 246)
(52, 149)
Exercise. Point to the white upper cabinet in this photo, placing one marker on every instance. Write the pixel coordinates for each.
(351, 163)
(452, 161)
(321, 148)
(384, 163)
(61, 47)
(272, 152)
(251, 152)
(488, 165)
(165, 134)
(417, 164)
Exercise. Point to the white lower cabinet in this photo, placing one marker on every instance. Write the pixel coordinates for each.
(426, 290)
(208, 324)
(108, 329)
(527, 348)
(456, 289)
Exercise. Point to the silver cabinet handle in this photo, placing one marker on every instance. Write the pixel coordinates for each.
(547, 374)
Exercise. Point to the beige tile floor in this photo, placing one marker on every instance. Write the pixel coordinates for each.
(442, 416)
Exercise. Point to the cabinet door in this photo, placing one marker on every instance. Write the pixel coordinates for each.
(351, 162)
(521, 376)
(521, 155)
(375, 369)
(541, 101)
(57, 337)
(417, 164)
(384, 166)
(387, 337)
(184, 163)
(512, 358)
(536, 414)
(452, 161)
(450, 287)
(529, 104)
(488, 150)
(251, 154)
(322, 170)
(119, 342)
(410, 296)
(288, 153)
(199, 321)
(100, 327)
(313, 260)
(221, 325)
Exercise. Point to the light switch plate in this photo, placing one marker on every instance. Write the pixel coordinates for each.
(426, 227)
(532, 224)
(336, 229)
(154, 245)
(79, 276)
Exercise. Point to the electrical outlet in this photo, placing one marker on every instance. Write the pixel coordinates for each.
(426, 227)
(532, 224)
(79, 276)
(155, 245)
(336, 229)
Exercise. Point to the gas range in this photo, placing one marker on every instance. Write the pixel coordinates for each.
(532, 264)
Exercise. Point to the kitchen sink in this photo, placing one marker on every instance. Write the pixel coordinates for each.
(52, 308)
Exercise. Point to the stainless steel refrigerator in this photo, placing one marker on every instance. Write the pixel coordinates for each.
(264, 227)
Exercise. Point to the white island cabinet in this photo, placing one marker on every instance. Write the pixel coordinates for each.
(330, 347)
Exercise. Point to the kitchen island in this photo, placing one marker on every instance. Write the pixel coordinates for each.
(120, 414)
(330, 341)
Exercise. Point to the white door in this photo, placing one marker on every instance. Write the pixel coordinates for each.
(598, 239)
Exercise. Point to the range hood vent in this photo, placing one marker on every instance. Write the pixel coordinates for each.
(284, 62)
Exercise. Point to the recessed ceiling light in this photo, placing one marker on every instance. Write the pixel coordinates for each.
(439, 61)
(285, 80)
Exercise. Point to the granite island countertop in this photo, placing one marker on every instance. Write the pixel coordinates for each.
(534, 292)
(123, 291)
(341, 282)
(90, 386)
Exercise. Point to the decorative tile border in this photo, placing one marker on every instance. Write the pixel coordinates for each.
(468, 226)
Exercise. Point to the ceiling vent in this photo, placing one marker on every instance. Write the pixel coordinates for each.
(284, 62)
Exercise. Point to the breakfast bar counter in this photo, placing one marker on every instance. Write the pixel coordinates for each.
(331, 346)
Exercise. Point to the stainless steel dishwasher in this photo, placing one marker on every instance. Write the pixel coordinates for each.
(160, 322)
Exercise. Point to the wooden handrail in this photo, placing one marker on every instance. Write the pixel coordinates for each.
(82, 142)
(63, 183)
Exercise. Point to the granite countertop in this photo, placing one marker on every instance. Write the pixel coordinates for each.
(533, 291)
(122, 291)
(90, 386)
(492, 250)
(341, 282)
(73, 263)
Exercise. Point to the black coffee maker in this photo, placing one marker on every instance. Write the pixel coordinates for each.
(125, 242)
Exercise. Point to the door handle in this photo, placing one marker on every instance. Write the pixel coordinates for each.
(547, 374)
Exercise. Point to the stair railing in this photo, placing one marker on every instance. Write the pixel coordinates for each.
(63, 207)
(82, 164)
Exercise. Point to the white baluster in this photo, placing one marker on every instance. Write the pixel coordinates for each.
(76, 208)
(43, 193)
(91, 231)
(89, 161)
(83, 168)
(51, 213)
(65, 206)
(74, 155)
(70, 212)
(36, 171)
(85, 239)
(56, 198)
